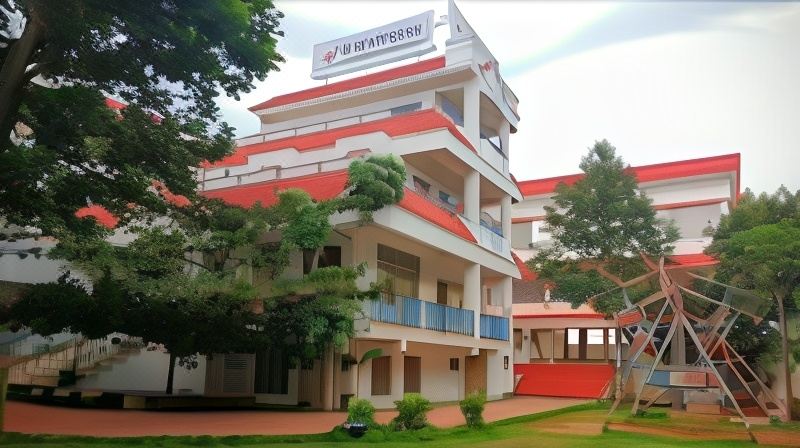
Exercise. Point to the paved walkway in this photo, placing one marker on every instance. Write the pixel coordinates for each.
(33, 418)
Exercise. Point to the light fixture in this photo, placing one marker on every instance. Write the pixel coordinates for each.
(505, 362)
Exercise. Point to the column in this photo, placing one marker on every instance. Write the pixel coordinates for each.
(472, 295)
(505, 216)
(327, 379)
(472, 196)
(472, 113)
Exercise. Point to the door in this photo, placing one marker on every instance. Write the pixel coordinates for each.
(412, 374)
(475, 373)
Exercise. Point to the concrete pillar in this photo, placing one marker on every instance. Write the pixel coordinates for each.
(507, 297)
(505, 133)
(472, 196)
(505, 216)
(472, 113)
(472, 295)
(327, 379)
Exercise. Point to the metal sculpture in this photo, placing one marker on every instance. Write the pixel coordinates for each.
(666, 317)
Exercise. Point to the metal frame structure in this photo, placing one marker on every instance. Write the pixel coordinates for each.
(706, 331)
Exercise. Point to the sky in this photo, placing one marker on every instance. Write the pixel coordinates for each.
(661, 81)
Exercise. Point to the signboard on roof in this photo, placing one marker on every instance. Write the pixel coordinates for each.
(399, 40)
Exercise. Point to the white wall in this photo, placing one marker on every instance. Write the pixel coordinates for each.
(146, 371)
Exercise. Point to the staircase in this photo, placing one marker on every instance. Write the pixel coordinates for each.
(62, 364)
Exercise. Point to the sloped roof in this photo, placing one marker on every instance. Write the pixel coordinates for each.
(416, 68)
(429, 211)
(420, 121)
(328, 185)
(525, 272)
(320, 187)
(647, 173)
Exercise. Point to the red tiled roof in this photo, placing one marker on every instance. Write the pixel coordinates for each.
(647, 173)
(525, 272)
(428, 211)
(416, 68)
(420, 121)
(329, 185)
(114, 104)
(319, 187)
(692, 260)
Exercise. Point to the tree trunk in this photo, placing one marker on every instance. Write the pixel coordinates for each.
(785, 355)
(171, 372)
(3, 392)
(13, 76)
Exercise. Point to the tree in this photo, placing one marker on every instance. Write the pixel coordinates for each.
(144, 289)
(600, 226)
(168, 59)
(758, 245)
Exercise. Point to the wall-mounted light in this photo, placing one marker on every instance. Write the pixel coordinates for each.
(505, 362)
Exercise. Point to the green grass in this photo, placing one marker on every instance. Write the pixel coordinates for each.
(519, 431)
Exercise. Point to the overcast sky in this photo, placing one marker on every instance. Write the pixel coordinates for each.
(661, 81)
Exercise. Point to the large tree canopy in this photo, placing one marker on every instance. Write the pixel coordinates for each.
(600, 226)
(758, 245)
(145, 289)
(170, 58)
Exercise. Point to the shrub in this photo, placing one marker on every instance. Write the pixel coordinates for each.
(360, 411)
(472, 408)
(411, 412)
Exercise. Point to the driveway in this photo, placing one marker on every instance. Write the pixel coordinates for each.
(42, 419)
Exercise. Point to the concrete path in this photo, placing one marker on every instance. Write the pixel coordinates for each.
(40, 419)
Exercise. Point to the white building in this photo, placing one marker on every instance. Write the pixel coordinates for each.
(554, 342)
(446, 329)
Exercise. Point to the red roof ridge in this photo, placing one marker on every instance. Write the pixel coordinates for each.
(399, 125)
(404, 71)
(648, 173)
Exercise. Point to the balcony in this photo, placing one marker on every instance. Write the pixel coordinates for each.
(494, 327)
(416, 313)
(492, 154)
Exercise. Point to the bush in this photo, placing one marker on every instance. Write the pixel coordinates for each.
(472, 408)
(360, 411)
(411, 412)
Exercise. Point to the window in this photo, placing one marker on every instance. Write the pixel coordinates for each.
(328, 256)
(345, 365)
(400, 270)
(452, 110)
(382, 375)
(448, 201)
(272, 372)
(441, 293)
(399, 110)
(489, 296)
(454, 364)
(421, 187)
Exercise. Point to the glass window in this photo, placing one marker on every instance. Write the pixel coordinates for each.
(400, 270)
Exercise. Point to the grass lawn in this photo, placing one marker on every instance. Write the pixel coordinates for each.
(532, 430)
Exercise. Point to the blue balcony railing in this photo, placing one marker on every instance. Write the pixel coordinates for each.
(459, 320)
(494, 327)
(397, 309)
(410, 312)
